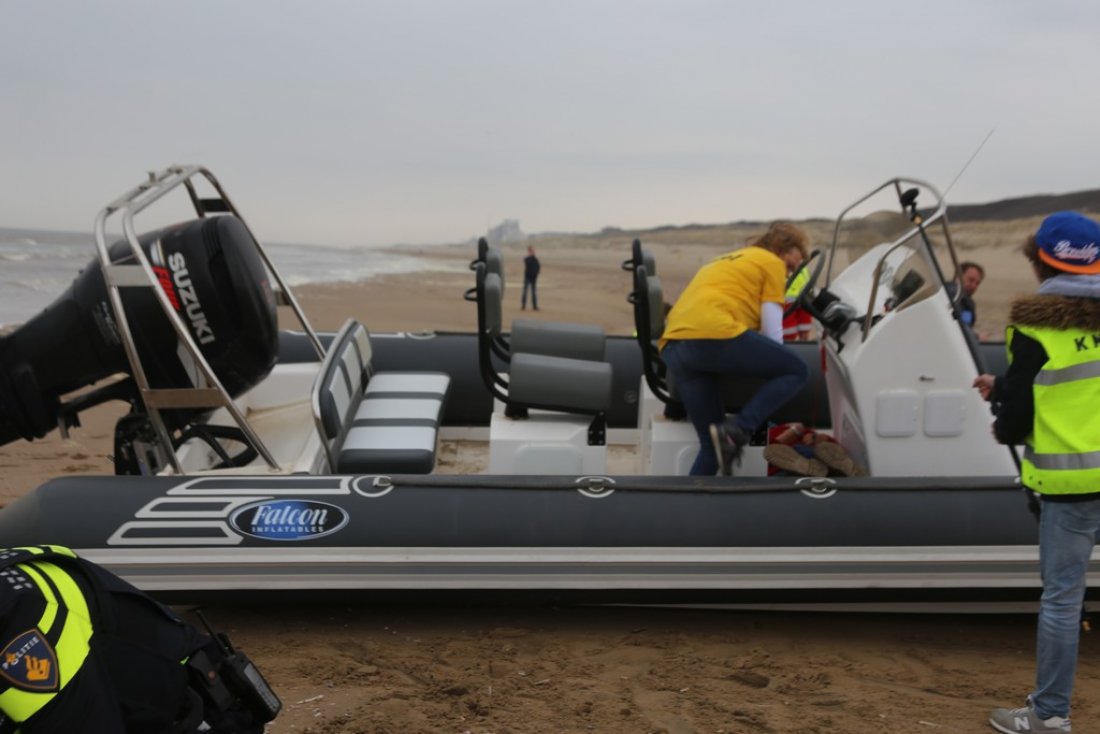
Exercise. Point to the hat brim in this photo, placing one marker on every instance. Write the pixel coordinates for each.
(1057, 264)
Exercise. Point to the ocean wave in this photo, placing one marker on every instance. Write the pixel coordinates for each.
(35, 272)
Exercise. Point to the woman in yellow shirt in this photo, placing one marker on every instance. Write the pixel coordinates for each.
(728, 322)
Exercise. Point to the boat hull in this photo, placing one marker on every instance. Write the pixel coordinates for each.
(548, 539)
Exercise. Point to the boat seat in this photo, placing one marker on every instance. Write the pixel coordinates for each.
(576, 384)
(376, 422)
(536, 336)
(536, 380)
(558, 339)
(647, 298)
(542, 369)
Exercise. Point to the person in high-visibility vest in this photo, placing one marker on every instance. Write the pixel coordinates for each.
(798, 325)
(84, 652)
(1049, 401)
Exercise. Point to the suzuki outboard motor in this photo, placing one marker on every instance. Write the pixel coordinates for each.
(215, 280)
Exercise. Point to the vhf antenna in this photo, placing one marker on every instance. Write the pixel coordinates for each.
(968, 162)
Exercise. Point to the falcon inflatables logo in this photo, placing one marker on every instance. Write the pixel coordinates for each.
(288, 519)
(29, 662)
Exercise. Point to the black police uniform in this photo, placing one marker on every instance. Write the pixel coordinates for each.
(82, 651)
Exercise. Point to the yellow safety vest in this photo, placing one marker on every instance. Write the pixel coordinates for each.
(1062, 454)
(797, 285)
(38, 663)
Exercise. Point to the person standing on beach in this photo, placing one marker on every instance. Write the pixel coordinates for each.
(531, 269)
(1049, 400)
(728, 322)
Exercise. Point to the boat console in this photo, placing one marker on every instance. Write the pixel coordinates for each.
(898, 361)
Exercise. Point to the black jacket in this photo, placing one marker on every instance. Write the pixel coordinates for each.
(530, 268)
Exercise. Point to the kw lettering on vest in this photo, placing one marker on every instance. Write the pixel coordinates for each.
(1081, 342)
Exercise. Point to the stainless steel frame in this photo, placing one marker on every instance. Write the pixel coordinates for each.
(208, 392)
(938, 216)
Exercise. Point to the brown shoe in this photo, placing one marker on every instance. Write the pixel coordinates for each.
(835, 457)
(782, 456)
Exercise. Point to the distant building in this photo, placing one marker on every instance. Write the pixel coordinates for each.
(505, 232)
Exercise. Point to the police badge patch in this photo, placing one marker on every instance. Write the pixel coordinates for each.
(29, 663)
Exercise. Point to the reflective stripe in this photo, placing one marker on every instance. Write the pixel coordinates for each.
(1063, 452)
(1062, 461)
(1073, 373)
(49, 614)
(797, 285)
(72, 644)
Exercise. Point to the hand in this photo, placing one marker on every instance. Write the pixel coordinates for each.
(984, 384)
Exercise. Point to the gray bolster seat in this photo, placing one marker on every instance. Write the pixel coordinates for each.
(574, 384)
(396, 425)
(376, 423)
(556, 339)
(552, 366)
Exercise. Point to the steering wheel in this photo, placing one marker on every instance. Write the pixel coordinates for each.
(803, 299)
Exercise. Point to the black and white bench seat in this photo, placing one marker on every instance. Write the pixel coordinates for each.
(376, 422)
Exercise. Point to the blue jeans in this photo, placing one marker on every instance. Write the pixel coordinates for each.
(1067, 533)
(698, 366)
(534, 295)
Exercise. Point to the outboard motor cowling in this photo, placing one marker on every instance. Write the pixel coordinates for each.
(214, 278)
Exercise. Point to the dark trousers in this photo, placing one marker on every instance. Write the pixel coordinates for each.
(529, 283)
(699, 365)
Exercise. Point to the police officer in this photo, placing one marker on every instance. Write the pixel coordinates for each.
(1049, 400)
(82, 651)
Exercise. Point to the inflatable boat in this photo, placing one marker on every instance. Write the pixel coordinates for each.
(259, 459)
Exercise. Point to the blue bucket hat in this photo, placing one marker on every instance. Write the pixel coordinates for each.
(1070, 242)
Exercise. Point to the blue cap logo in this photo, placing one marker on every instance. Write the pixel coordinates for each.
(288, 519)
(1070, 242)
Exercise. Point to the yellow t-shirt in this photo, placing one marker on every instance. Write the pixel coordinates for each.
(723, 299)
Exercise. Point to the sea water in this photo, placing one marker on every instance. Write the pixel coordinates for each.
(36, 266)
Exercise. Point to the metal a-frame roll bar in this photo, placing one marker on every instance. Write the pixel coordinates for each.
(907, 200)
(208, 392)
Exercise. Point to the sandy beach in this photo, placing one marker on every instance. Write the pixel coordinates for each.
(358, 670)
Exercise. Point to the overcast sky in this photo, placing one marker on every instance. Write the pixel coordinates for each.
(371, 122)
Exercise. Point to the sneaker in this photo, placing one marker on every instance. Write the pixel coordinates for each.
(1012, 721)
(784, 457)
(728, 444)
(835, 457)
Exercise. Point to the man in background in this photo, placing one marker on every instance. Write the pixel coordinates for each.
(971, 276)
(530, 276)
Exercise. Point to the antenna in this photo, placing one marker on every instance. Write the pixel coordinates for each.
(969, 161)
